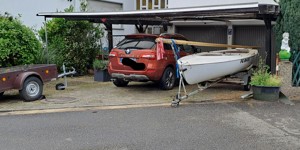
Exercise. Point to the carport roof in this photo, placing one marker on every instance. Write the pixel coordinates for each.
(162, 16)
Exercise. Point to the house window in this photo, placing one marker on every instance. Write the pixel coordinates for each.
(151, 4)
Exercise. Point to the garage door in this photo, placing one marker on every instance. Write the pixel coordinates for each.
(253, 35)
(212, 34)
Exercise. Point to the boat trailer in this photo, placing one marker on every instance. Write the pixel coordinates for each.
(63, 86)
(244, 76)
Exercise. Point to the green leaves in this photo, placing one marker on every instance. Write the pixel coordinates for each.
(100, 64)
(18, 44)
(288, 21)
(262, 77)
(74, 43)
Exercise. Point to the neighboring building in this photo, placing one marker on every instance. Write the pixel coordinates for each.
(240, 32)
(244, 32)
(113, 5)
(149, 5)
(29, 8)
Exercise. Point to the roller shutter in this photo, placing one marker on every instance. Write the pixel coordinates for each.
(212, 34)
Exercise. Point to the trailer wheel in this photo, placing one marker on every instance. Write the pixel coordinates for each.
(167, 81)
(32, 89)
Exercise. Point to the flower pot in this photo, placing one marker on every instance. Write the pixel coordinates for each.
(101, 75)
(265, 93)
(284, 55)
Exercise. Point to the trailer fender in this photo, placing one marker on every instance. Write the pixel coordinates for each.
(18, 84)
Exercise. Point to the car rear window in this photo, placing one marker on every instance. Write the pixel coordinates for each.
(136, 43)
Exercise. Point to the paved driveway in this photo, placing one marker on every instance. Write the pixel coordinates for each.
(83, 91)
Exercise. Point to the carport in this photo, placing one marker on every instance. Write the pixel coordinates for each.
(165, 17)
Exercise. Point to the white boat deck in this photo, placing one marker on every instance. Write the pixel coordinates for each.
(220, 56)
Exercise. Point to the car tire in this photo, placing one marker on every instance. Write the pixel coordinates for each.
(120, 82)
(32, 89)
(1, 94)
(167, 81)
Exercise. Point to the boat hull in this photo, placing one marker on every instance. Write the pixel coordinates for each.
(199, 72)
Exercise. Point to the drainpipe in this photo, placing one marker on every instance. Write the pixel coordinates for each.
(46, 38)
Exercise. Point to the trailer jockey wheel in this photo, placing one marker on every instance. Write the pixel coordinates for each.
(32, 89)
(247, 87)
(60, 86)
(175, 102)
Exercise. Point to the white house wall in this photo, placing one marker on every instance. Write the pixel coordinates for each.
(194, 3)
(127, 5)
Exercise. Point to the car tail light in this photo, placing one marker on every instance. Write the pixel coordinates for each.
(112, 54)
(149, 56)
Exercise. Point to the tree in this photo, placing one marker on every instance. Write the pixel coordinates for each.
(18, 43)
(75, 43)
(288, 21)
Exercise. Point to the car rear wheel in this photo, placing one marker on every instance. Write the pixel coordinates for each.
(120, 82)
(167, 80)
(32, 89)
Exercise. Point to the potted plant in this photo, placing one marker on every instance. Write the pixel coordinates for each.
(100, 70)
(265, 86)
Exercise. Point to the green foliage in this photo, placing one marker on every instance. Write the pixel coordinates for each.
(75, 43)
(262, 77)
(288, 21)
(18, 43)
(100, 64)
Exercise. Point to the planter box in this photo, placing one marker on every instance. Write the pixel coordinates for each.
(266, 93)
(101, 75)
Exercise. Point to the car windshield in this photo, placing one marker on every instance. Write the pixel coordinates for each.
(136, 43)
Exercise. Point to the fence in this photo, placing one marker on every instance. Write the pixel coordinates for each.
(296, 67)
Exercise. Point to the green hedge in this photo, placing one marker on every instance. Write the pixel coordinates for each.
(18, 43)
(288, 21)
(75, 43)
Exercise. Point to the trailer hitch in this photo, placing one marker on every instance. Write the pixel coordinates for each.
(62, 86)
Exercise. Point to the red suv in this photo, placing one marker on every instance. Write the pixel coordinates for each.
(135, 59)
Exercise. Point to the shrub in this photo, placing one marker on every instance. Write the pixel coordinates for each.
(75, 43)
(18, 43)
(288, 21)
(100, 64)
(262, 77)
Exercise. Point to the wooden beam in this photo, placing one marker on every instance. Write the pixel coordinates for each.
(182, 42)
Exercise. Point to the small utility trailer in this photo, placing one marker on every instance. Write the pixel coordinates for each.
(28, 79)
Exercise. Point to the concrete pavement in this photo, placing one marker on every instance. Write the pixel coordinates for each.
(83, 92)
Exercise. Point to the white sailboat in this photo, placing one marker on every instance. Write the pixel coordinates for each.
(215, 64)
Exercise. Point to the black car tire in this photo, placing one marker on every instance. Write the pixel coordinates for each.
(32, 89)
(1, 94)
(120, 82)
(167, 81)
